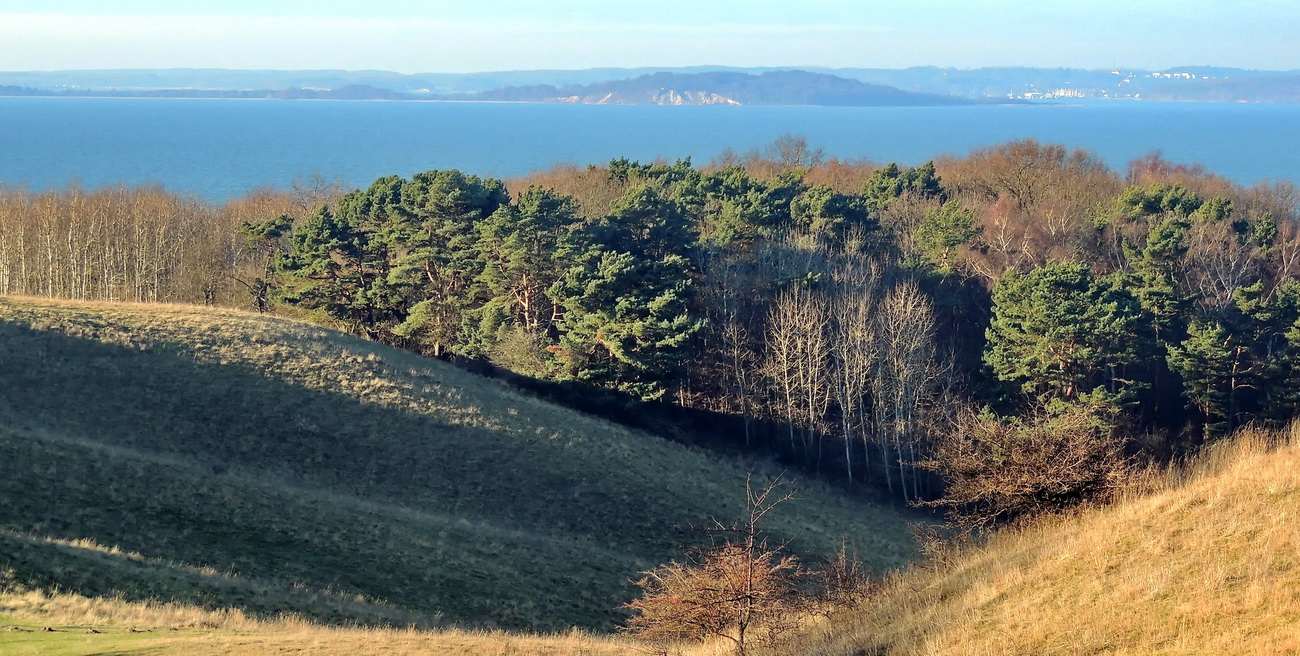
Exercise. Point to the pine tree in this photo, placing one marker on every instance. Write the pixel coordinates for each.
(334, 266)
(1284, 395)
(647, 223)
(1059, 332)
(1156, 270)
(397, 261)
(735, 209)
(943, 230)
(433, 238)
(890, 182)
(1239, 363)
(626, 323)
(266, 239)
(823, 212)
(522, 252)
(1210, 364)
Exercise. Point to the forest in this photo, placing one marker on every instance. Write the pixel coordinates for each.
(1000, 333)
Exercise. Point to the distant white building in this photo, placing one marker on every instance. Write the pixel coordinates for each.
(1067, 93)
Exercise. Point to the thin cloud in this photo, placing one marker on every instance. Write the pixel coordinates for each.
(68, 24)
(495, 34)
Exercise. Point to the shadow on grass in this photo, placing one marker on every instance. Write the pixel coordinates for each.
(95, 571)
(453, 500)
(529, 526)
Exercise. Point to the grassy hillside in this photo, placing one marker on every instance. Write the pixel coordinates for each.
(1209, 565)
(237, 461)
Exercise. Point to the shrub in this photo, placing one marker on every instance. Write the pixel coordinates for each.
(1000, 468)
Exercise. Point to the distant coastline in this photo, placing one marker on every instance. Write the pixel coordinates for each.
(459, 101)
(791, 88)
(921, 86)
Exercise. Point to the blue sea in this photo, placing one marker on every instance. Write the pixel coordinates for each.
(220, 149)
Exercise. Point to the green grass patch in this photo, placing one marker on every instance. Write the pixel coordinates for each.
(26, 638)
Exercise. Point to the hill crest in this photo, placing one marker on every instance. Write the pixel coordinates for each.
(792, 87)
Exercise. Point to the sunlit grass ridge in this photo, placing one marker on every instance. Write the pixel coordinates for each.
(1207, 564)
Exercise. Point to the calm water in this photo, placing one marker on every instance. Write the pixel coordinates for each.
(223, 148)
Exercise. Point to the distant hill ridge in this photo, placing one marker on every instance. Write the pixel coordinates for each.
(714, 88)
(725, 88)
(1185, 83)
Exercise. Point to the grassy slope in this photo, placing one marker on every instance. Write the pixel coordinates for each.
(232, 460)
(1210, 565)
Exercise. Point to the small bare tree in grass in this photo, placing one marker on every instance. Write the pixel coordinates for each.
(841, 582)
(737, 586)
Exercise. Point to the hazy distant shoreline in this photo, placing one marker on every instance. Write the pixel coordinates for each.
(681, 85)
(56, 96)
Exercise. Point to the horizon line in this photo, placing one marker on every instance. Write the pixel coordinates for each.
(652, 68)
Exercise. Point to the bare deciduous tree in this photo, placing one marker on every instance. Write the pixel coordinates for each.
(904, 373)
(122, 243)
(855, 349)
(1217, 263)
(798, 365)
(739, 584)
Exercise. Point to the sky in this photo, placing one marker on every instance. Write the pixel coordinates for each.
(411, 36)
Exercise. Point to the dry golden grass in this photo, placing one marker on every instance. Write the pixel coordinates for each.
(77, 610)
(1208, 563)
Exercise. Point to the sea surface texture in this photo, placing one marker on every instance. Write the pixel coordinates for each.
(220, 149)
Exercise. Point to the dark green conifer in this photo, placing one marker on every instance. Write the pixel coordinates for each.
(1060, 333)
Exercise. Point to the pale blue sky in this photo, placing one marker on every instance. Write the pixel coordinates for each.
(431, 36)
